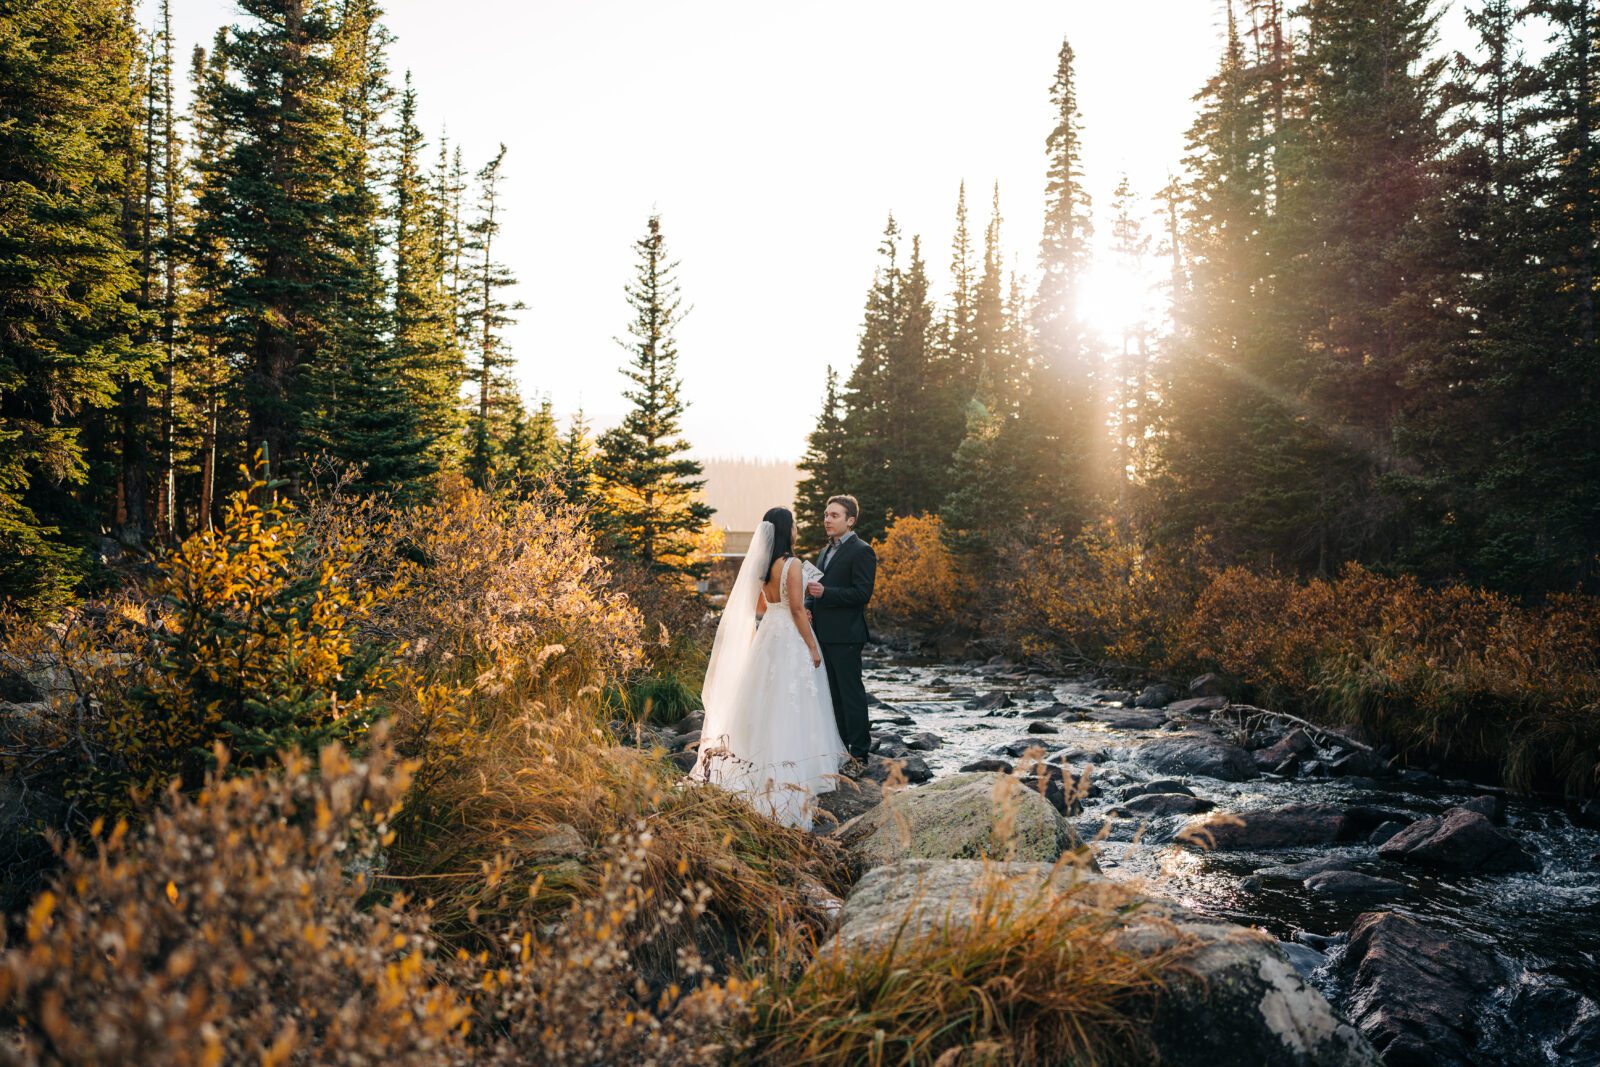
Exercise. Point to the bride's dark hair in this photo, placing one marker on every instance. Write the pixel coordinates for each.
(782, 520)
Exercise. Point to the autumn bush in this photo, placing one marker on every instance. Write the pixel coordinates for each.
(920, 584)
(1104, 597)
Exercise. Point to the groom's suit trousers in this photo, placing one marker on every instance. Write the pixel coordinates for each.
(843, 663)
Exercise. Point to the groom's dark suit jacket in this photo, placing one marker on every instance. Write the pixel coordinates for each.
(839, 615)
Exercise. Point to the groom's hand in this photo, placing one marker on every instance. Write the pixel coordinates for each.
(814, 589)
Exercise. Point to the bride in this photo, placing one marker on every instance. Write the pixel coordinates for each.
(769, 731)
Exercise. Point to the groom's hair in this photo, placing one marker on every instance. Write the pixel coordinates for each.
(851, 508)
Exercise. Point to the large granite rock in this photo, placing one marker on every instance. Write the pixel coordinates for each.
(1458, 840)
(954, 818)
(1415, 991)
(1199, 754)
(1233, 998)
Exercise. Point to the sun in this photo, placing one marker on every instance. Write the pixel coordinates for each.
(1118, 300)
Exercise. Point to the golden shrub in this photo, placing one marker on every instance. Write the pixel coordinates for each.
(1105, 597)
(919, 583)
(228, 931)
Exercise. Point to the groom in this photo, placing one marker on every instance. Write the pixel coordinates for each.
(838, 617)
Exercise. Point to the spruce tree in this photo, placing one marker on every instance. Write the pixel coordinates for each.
(867, 408)
(574, 463)
(67, 105)
(1063, 422)
(652, 509)
(424, 316)
(487, 313)
(825, 463)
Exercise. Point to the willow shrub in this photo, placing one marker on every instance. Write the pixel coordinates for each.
(920, 584)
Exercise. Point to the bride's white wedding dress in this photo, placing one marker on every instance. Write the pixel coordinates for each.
(769, 731)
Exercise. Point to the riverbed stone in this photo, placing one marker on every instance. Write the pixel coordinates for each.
(1199, 754)
(1292, 746)
(1163, 804)
(1158, 785)
(849, 797)
(1158, 695)
(954, 818)
(912, 766)
(924, 741)
(1286, 826)
(1130, 718)
(1459, 840)
(1233, 998)
(1353, 885)
(1039, 727)
(1415, 990)
(987, 764)
(1299, 872)
(994, 700)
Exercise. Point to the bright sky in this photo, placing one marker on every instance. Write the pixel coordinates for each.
(773, 140)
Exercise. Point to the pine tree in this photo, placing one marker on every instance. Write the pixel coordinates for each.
(424, 316)
(356, 399)
(575, 463)
(532, 450)
(487, 314)
(67, 107)
(866, 401)
(278, 201)
(650, 488)
(961, 317)
(994, 356)
(826, 461)
(1066, 467)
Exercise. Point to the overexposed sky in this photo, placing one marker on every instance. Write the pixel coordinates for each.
(773, 140)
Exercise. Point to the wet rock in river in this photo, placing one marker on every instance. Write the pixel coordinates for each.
(1196, 705)
(1353, 885)
(1199, 754)
(1299, 872)
(1159, 785)
(924, 741)
(1015, 749)
(1384, 831)
(1039, 726)
(912, 766)
(1415, 991)
(1293, 745)
(987, 765)
(1130, 718)
(1303, 958)
(1163, 804)
(1155, 696)
(1490, 807)
(1287, 826)
(1459, 840)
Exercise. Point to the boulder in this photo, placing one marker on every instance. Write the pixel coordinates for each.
(1293, 745)
(1038, 727)
(691, 722)
(1353, 885)
(1288, 826)
(1015, 749)
(987, 765)
(1159, 785)
(1196, 705)
(1155, 696)
(1459, 840)
(848, 798)
(1299, 872)
(1130, 718)
(890, 747)
(954, 818)
(1415, 992)
(994, 700)
(1162, 804)
(1489, 806)
(1199, 754)
(1208, 685)
(912, 766)
(1234, 997)
(924, 741)
(1384, 831)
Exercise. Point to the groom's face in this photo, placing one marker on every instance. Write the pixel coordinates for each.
(834, 521)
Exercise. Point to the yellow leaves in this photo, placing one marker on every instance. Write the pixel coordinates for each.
(172, 893)
(39, 915)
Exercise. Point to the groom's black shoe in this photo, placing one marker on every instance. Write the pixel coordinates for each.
(854, 767)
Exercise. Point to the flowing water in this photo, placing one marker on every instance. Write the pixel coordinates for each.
(1544, 926)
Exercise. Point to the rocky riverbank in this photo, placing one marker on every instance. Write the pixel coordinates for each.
(1446, 922)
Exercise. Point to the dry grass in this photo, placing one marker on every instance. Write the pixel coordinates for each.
(1028, 972)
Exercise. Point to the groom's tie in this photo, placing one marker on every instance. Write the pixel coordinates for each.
(833, 546)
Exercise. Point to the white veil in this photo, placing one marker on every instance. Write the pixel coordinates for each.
(730, 651)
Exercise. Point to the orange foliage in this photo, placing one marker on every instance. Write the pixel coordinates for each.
(919, 583)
